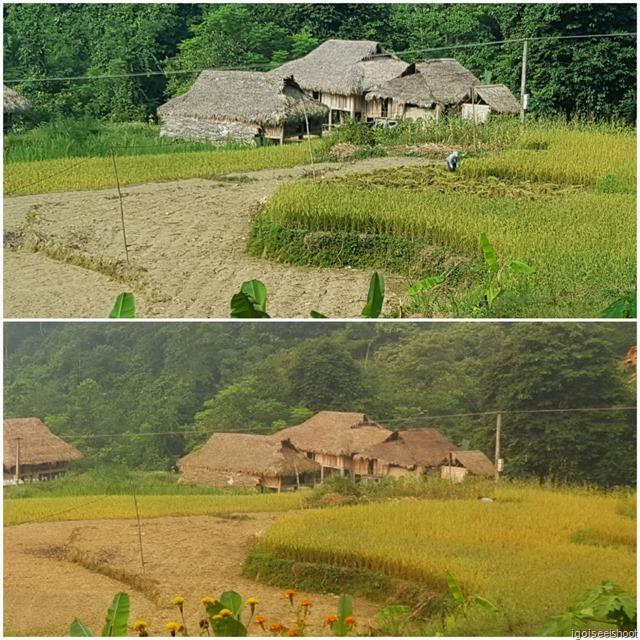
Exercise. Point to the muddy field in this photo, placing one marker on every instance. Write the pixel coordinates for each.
(188, 556)
(186, 247)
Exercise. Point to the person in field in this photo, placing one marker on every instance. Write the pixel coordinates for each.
(453, 161)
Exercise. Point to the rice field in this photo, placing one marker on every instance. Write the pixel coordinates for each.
(532, 552)
(568, 210)
(73, 174)
(150, 506)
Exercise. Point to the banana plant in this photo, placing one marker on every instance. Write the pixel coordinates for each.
(115, 625)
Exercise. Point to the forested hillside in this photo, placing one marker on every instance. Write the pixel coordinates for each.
(144, 394)
(594, 77)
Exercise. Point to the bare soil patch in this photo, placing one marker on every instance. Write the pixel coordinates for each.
(186, 237)
(44, 589)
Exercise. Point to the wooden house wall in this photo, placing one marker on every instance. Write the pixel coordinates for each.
(40, 472)
(482, 112)
(216, 131)
(457, 474)
(415, 113)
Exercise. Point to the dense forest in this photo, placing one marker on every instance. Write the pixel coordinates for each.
(591, 77)
(143, 394)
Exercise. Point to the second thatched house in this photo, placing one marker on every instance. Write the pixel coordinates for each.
(31, 452)
(13, 102)
(458, 464)
(338, 73)
(333, 438)
(405, 453)
(241, 105)
(230, 460)
(432, 87)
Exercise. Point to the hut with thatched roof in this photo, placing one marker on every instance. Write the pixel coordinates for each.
(485, 99)
(425, 90)
(338, 73)
(31, 452)
(458, 464)
(13, 102)
(406, 453)
(241, 105)
(245, 460)
(333, 438)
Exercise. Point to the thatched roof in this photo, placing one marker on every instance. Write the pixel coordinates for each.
(447, 79)
(37, 444)
(498, 97)
(343, 67)
(335, 433)
(411, 89)
(411, 448)
(475, 462)
(13, 101)
(244, 96)
(251, 454)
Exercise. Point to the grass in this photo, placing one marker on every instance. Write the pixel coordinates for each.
(519, 552)
(72, 173)
(150, 506)
(87, 138)
(565, 204)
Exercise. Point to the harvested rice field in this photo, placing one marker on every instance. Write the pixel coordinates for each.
(77, 567)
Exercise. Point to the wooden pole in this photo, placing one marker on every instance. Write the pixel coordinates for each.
(124, 233)
(450, 467)
(135, 501)
(498, 432)
(523, 81)
(18, 461)
(475, 124)
(306, 121)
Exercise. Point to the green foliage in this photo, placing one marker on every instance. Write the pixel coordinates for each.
(125, 306)
(345, 609)
(607, 604)
(227, 626)
(353, 132)
(250, 301)
(375, 297)
(624, 307)
(116, 622)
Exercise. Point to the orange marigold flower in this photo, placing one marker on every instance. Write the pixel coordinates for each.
(305, 602)
(207, 601)
(331, 618)
(275, 627)
(350, 620)
(301, 622)
(260, 620)
(290, 593)
(292, 632)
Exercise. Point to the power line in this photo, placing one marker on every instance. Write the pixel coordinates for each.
(268, 64)
(420, 416)
(512, 412)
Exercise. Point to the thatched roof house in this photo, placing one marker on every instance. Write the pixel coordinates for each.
(40, 454)
(425, 90)
(339, 72)
(241, 105)
(463, 463)
(407, 452)
(244, 460)
(13, 102)
(332, 438)
(484, 99)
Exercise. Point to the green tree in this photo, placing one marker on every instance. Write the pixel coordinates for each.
(562, 366)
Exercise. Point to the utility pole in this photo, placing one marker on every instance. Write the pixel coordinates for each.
(523, 82)
(497, 460)
(18, 461)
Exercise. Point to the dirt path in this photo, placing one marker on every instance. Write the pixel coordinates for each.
(187, 238)
(189, 556)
